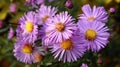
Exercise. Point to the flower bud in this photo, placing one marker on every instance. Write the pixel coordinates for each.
(112, 10)
(84, 65)
(1, 24)
(12, 8)
(99, 61)
(38, 58)
(69, 4)
(11, 33)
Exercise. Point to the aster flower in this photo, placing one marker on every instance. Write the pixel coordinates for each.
(28, 28)
(45, 12)
(95, 14)
(69, 50)
(96, 34)
(61, 27)
(27, 53)
(46, 40)
(40, 2)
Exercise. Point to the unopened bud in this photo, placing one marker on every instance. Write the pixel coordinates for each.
(112, 10)
(11, 33)
(13, 8)
(84, 65)
(1, 24)
(69, 4)
(38, 58)
(99, 61)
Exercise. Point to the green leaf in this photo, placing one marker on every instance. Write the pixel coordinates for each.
(4, 29)
(4, 12)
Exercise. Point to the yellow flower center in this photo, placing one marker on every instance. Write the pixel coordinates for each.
(90, 34)
(45, 18)
(67, 44)
(27, 49)
(29, 27)
(38, 58)
(60, 27)
(91, 18)
(26, 0)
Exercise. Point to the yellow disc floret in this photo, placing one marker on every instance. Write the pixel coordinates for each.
(67, 44)
(60, 27)
(29, 27)
(38, 58)
(45, 18)
(91, 18)
(27, 49)
(90, 34)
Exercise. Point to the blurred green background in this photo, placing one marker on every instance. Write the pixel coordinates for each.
(107, 57)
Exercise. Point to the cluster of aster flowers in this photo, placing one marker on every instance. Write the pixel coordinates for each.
(67, 40)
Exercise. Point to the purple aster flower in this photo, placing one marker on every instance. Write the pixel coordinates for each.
(84, 65)
(13, 8)
(27, 53)
(69, 50)
(95, 33)
(28, 28)
(30, 2)
(40, 1)
(112, 10)
(95, 14)
(1, 24)
(11, 33)
(45, 12)
(61, 27)
(46, 41)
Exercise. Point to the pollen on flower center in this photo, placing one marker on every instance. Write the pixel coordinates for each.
(29, 27)
(38, 58)
(91, 18)
(67, 44)
(90, 34)
(60, 27)
(45, 18)
(27, 49)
